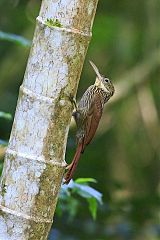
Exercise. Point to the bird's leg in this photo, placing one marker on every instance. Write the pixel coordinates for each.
(73, 101)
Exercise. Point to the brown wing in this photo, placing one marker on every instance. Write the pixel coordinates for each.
(93, 119)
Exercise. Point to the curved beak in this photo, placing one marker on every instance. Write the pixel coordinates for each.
(95, 69)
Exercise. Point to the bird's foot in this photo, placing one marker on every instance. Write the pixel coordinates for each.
(73, 101)
(68, 166)
(67, 177)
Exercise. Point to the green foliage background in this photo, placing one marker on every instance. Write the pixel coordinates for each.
(125, 155)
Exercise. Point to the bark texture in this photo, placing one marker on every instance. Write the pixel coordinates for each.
(35, 158)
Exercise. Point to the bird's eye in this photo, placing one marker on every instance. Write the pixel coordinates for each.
(106, 80)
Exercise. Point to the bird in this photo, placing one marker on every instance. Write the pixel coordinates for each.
(87, 116)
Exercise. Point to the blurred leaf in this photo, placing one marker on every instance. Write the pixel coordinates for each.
(85, 180)
(3, 143)
(93, 207)
(87, 192)
(68, 201)
(7, 116)
(1, 167)
(73, 207)
(15, 39)
(83, 190)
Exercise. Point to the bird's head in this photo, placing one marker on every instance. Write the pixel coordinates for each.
(102, 81)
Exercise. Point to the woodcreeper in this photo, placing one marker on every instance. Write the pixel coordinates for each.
(88, 114)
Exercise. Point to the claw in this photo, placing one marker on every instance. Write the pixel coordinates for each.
(73, 101)
(68, 166)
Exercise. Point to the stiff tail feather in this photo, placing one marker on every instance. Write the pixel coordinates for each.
(73, 165)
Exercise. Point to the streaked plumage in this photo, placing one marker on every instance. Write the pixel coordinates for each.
(88, 115)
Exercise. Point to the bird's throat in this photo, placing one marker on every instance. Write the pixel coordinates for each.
(99, 84)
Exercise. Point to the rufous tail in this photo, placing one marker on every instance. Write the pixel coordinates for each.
(73, 165)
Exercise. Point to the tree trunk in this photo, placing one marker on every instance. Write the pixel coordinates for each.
(34, 161)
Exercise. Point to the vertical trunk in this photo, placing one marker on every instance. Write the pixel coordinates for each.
(34, 161)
